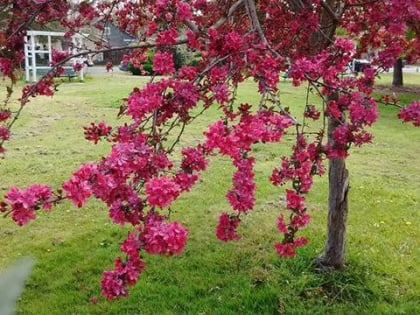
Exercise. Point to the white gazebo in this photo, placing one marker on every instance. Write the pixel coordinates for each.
(32, 69)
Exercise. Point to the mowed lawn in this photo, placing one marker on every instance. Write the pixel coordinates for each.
(73, 246)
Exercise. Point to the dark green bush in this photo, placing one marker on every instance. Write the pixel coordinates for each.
(133, 70)
(181, 57)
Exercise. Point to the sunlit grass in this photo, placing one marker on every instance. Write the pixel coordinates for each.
(73, 246)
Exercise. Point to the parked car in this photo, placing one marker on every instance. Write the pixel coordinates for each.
(358, 65)
(123, 65)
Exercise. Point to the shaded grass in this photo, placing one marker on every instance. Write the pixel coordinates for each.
(73, 246)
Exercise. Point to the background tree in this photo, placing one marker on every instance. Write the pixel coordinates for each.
(237, 40)
(411, 42)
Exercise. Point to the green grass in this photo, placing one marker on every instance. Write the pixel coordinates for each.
(73, 246)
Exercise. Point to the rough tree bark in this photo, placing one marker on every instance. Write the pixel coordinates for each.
(397, 76)
(333, 255)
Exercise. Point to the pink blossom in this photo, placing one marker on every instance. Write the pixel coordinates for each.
(59, 56)
(221, 93)
(131, 245)
(233, 41)
(164, 238)
(112, 285)
(185, 180)
(4, 133)
(95, 132)
(161, 192)
(142, 102)
(77, 66)
(163, 63)
(242, 196)
(25, 202)
(300, 220)
(193, 159)
(109, 66)
(362, 137)
(280, 175)
(281, 225)
(151, 28)
(125, 206)
(78, 188)
(294, 200)
(183, 11)
(411, 113)
(312, 112)
(4, 115)
(285, 249)
(226, 229)
(336, 152)
(193, 43)
(187, 72)
(114, 282)
(342, 134)
(6, 66)
(187, 94)
(167, 37)
(300, 241)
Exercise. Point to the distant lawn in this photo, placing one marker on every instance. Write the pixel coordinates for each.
(73, 246)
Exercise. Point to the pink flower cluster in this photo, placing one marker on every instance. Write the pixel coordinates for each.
(288, 249)
(299, 169)
(265, 126)
(226, 228)
(164, 238)
(24, 203)
(161, 191)
(167, 37)
(58, 56)
(114, 282)
(163, 63)
(4, 133)
(193, 159)
(155, 237)
(95, 132)
(78, 188)
(305, 162)
(6, 66)
(242, 196)
(411, 113)
(236, 142)
(362, 112)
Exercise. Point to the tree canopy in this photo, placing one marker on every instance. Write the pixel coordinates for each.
(236, 40)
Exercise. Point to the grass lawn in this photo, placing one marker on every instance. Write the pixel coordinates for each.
(73, 246)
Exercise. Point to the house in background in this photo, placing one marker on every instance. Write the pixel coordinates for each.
(111, 37)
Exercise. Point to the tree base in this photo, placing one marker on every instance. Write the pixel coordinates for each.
(321, 264)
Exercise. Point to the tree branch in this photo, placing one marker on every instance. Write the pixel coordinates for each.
(256, 25)
(360, 4)
(232, 10)
(329, 11)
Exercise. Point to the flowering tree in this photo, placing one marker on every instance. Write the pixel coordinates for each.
(236, 40)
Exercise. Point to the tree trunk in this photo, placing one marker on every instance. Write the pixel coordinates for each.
(333, 255)
(335, 245)
(397, 76)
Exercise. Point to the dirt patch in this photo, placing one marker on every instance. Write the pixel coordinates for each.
(410, 88)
